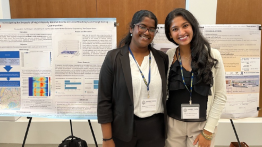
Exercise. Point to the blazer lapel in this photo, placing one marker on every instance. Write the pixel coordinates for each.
(125, 62)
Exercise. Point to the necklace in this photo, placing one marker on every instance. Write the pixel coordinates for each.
(185, 57)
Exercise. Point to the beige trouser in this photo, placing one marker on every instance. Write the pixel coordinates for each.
(183, 134)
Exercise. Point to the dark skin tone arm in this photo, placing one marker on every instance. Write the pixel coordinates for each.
(107, 133)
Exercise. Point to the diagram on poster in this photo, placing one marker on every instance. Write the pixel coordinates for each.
(10, 95)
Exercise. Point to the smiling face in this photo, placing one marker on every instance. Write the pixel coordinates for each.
(181, 31)
(141, 38)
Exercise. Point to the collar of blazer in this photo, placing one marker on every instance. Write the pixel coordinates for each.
(125, 62)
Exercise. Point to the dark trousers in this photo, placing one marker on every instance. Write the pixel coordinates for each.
(148, 132)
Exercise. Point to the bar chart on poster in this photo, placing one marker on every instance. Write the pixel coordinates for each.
(76, 85)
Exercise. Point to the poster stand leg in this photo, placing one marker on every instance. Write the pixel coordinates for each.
(28, 126)
(94, 137)
(235, 132)
(72, 135)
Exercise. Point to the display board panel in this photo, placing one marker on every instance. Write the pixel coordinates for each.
(240, 12)
(239, 46)
(50, 67)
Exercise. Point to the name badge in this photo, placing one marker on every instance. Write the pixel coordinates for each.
(190, 111)
(148, 105)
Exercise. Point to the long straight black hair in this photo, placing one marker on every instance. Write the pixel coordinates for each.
(138, 17)
(202, 61)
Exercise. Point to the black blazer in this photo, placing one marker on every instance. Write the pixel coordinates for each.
(115, 92)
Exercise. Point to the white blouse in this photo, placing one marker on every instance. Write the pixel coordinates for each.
(140, 88)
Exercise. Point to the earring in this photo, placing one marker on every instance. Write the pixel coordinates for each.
(130, 34)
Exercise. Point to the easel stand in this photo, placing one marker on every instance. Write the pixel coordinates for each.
(235, 132)
(93, 134)
(28, 126)
(72, 136)
(239, 144)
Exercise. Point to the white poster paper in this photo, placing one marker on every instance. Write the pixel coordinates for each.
(239, 46)
(50, 67)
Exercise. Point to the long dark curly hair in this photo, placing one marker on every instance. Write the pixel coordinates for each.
(202, 61)
(138, 17)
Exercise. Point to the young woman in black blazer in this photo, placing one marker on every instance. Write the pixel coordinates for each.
(132, 89)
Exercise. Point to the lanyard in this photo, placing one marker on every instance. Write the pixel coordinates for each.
(149, 73)
(192, 76)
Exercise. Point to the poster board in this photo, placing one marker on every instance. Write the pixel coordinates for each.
(239, 46)
(240, 12)
(50, 67)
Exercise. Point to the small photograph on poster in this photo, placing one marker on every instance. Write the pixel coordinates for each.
(242, 84)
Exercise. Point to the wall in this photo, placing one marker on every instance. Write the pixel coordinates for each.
(4, 9)
(122, 10)
(203, 10)
(1, 12)
(53, 131)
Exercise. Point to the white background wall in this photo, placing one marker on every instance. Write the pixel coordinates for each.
(53, 131)
(203, 10)
(1, 10)
(4, 9)
(46, 131)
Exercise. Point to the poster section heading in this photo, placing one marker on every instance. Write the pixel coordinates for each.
(50, 67)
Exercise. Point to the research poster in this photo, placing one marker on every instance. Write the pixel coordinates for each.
(239, 46)
(160, 41)
(50, 67)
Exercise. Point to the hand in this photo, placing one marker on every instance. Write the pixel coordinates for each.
(109, 143)
(202, 142)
